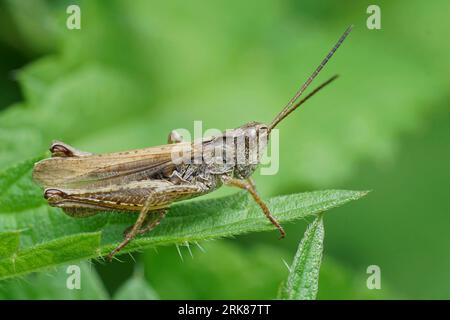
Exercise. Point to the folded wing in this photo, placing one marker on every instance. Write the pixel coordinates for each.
(107, 169)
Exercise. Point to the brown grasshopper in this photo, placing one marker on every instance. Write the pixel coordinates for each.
(149, 180)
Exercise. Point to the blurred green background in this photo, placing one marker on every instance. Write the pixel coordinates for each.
(138, 69)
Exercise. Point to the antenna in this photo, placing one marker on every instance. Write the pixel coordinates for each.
(291, 106)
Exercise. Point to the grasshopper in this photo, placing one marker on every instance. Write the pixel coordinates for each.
(149, 180)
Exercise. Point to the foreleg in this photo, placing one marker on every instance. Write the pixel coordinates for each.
(249, 186)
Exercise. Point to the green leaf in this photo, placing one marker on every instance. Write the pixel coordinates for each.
(303, 280)
(50, 253)
(48, 237)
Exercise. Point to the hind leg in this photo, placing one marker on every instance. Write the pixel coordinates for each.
(61, 149)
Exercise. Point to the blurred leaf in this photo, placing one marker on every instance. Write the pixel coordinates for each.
(403, 226)
(75, 106)
(303, 280)
(52, 285)
(226, 269)
(136, 288)
(221, 269)
(48, 237)
(338, 282)
(32, 19)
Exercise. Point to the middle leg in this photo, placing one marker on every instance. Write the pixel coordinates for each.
(152, 220)
(133, 232)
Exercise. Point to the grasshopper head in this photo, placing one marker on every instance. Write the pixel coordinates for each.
(255, 130)
(251, 139)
